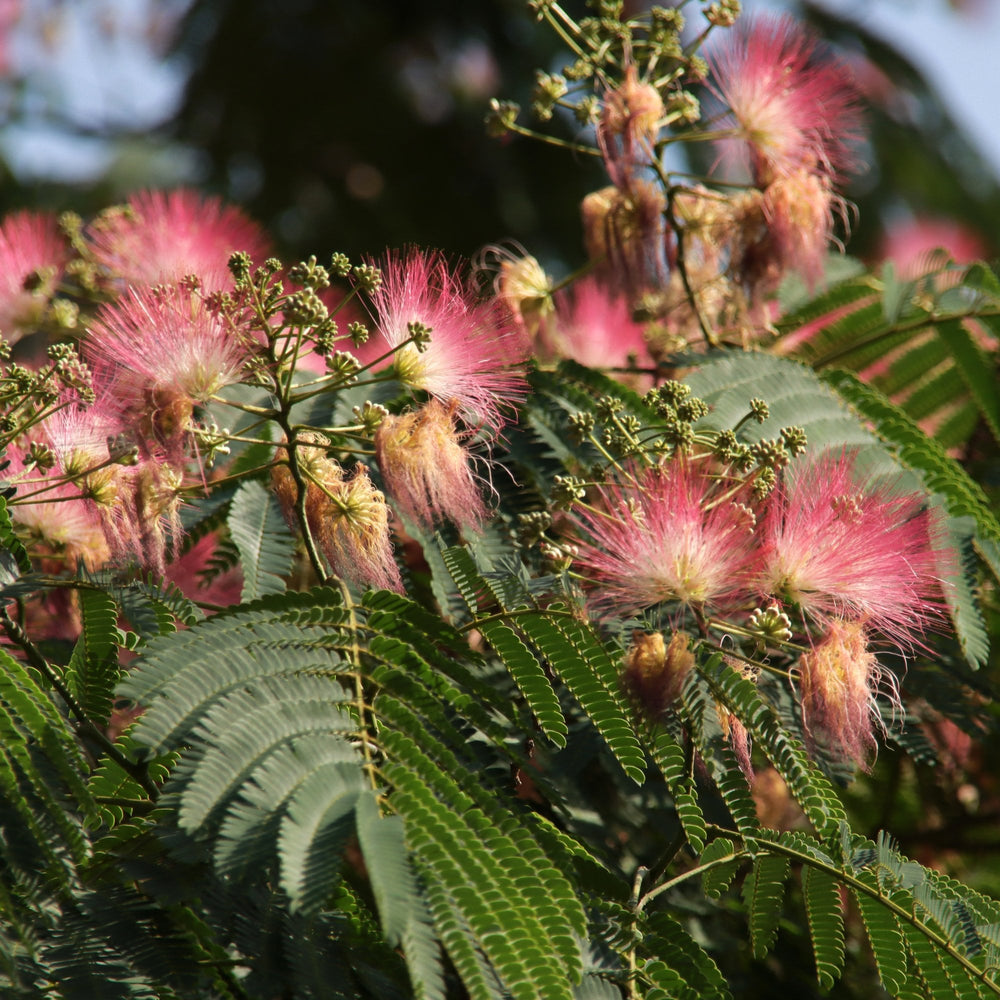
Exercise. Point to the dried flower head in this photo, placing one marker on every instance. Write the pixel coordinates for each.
(475, 352)
(630, 120)
(426, 467)
(625, 236)
(354, 534)
(838, 682)
(523, 286)
(595, 327)
(655, 672)
(347, 516)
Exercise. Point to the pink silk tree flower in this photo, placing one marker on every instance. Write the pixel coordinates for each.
(668, 533)
(792, 106)
(427, 469)
(143, 524)
(475, 352)
(842, 548)
(160, 351)
(59, 528)
(163, 236)
(33, 254)
(594, 326)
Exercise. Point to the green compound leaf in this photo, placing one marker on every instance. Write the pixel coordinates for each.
(824, 910)
(265, 544)
(530, 678)
(764, 893)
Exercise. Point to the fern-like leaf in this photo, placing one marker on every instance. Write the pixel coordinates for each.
(669, 757)
(530, 679)
(826, 923)
(93, 669)
(763, 893)
(265, 544)
(406, 921)
(884, 935)
(14, 561)
(575, 652)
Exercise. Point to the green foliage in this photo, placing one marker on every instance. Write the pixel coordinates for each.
(476, 787)
(262, 538)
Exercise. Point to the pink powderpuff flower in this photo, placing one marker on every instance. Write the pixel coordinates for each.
(667, 534)
(843, 548)
(792, 106)
(162, 350)
(426, 467)
(839, 679)
(143, 525)
(475, 353)
(81, 436)
(32, 252)
(595, 327)
(164, 236)
(58, 527)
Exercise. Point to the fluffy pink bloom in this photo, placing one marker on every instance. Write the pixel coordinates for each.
(59, 528)
(31, 247)
(839, 680)
(475, 351)
(426, 467)
(595, 327)
(143, 525)
(842, 548)
(167, 235)
(793, 107)
(81, 436)
(165, 343)
(666, 535)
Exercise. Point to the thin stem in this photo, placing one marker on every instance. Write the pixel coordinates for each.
(362, 706)
(301, 488)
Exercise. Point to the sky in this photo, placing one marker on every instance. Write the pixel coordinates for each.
(108, 71)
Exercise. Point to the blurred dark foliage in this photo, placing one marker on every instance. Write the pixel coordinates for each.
(357, 125)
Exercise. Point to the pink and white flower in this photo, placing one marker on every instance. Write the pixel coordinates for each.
(792, 106)
(165, 342)
(593, 326)
(475, 352)
(666, 534)
(31, 250)
(840, 547)
(164, 236)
